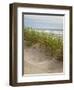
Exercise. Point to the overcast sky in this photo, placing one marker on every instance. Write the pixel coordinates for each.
(44, 21)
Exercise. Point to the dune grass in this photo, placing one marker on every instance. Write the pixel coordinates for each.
(51, 42)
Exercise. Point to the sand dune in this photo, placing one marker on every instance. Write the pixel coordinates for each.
(37, 61)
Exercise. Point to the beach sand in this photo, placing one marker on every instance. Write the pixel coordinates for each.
(36, 61)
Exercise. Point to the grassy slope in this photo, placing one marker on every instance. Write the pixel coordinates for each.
(50, 42)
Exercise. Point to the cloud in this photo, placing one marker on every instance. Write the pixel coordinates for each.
(43, 21)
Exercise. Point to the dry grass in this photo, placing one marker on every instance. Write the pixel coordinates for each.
(50, 42)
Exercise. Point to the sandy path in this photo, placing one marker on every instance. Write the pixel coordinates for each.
(35, 62)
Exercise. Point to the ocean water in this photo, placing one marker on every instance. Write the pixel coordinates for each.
(56, 32)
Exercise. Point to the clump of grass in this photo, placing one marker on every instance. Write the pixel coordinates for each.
(52, 43)
(30, 36)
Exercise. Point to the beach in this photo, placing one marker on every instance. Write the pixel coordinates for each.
(36, 61)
